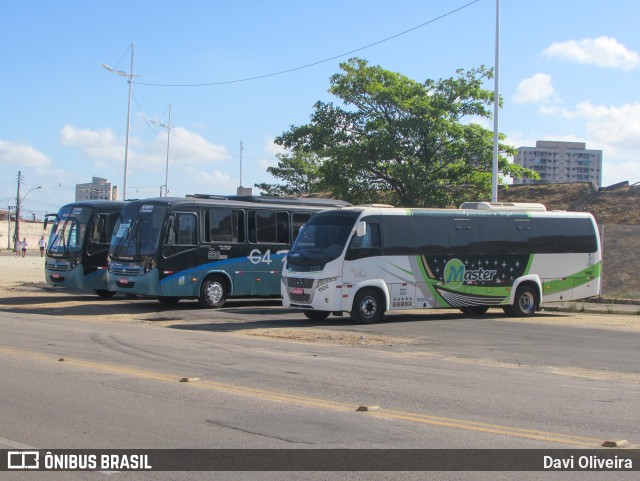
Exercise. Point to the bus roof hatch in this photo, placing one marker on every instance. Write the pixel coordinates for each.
(527, 206)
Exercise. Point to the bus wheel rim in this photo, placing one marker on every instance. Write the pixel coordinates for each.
(214, 292)
(527, 302)
(368, 307)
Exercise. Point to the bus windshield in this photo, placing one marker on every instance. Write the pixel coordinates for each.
(68, 230)
(137, 232)
(323, 238)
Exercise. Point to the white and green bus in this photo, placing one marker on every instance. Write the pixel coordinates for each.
(371, 260)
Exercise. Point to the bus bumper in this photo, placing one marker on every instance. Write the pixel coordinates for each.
(142, 283)
(315, 294)
(61, 274)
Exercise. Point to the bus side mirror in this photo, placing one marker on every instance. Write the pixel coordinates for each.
(46, 220)
(361, 229)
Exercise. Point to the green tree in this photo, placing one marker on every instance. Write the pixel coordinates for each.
(300, 171)
(398, 141)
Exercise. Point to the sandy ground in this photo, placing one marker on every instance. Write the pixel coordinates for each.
(29, 269)
(23, 289)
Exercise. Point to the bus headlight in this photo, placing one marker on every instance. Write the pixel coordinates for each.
(325, 281)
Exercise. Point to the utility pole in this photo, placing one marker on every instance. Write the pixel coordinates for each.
(241, 164)
(16, 234)
(496, 108)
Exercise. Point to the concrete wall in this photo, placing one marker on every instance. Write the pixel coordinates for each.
(32, 231)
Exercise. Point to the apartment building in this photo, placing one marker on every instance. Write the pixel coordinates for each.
(561, 162)
(97, 189)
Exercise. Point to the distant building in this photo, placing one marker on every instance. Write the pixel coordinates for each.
(561, 162)
(98, 189)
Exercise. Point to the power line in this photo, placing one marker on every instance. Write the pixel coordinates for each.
(257, 77)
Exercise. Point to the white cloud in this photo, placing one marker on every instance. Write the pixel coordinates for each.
(615, 125)
(615, 130)
(21, 155)
(188, 147)
(102, 145)
(271, 148)
(104, 148)
(603, 51)
(535, 89)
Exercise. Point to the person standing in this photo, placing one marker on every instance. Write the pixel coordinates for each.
(42, 244)
(18, 247)
(24, 247)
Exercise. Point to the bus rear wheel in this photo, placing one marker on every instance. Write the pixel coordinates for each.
(367, 307)
(316, 315)
(168, 300)
(213, 292)
(525, 303)
(474, 310)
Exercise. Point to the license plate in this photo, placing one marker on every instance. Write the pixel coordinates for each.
(124, 281)
(55, 276)
(297, 290)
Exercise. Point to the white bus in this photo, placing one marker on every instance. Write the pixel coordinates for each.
(368, 261)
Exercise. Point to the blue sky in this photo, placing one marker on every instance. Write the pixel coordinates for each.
(569, 70)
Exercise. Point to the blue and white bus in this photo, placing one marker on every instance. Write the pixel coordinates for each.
(206, 247)
(78, 245)
(367, 261)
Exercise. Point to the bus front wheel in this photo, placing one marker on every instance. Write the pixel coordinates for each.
(525, 303)
(367, 307)
(474, 310)
(213, 292)
(316, 315)
(105, 293)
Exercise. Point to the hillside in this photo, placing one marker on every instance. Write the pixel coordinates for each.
(616, 204)
(617, 211)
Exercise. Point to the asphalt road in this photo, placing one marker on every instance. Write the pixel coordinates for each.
(81, 372)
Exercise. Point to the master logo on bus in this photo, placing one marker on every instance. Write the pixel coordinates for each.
(456, 274)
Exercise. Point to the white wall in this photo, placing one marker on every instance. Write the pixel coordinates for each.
(32, 231)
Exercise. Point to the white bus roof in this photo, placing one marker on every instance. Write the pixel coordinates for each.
(525, 206)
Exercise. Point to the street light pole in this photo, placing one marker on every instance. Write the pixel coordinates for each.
(129, 76)
(166, 171)
(16, 233)
(496, 107)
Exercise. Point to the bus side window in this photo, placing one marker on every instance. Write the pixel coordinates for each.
(97, 225)
(221, 225)
(170, 239)
(186, 229)
(367, 245)
(251, 225)
(298, 219)
(272, 227)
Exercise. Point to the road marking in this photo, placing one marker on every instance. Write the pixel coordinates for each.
(14, 444)
(421, 418)
(600, 389)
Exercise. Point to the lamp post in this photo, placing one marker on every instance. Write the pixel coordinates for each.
(129, 76)
(16, 234)
(496, 107)
(166, 171)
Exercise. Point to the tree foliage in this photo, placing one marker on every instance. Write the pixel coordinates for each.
(395, 140)
(299, 171)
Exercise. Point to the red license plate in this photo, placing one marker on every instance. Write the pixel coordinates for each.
(297, 290)
(124, 281)
(55, 276)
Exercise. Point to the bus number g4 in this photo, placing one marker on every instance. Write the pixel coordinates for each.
(257, 257)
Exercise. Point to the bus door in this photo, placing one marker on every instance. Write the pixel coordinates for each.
(95, 258)
(225, 249)
(399, 250)
(269, 237)
(179, 255)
